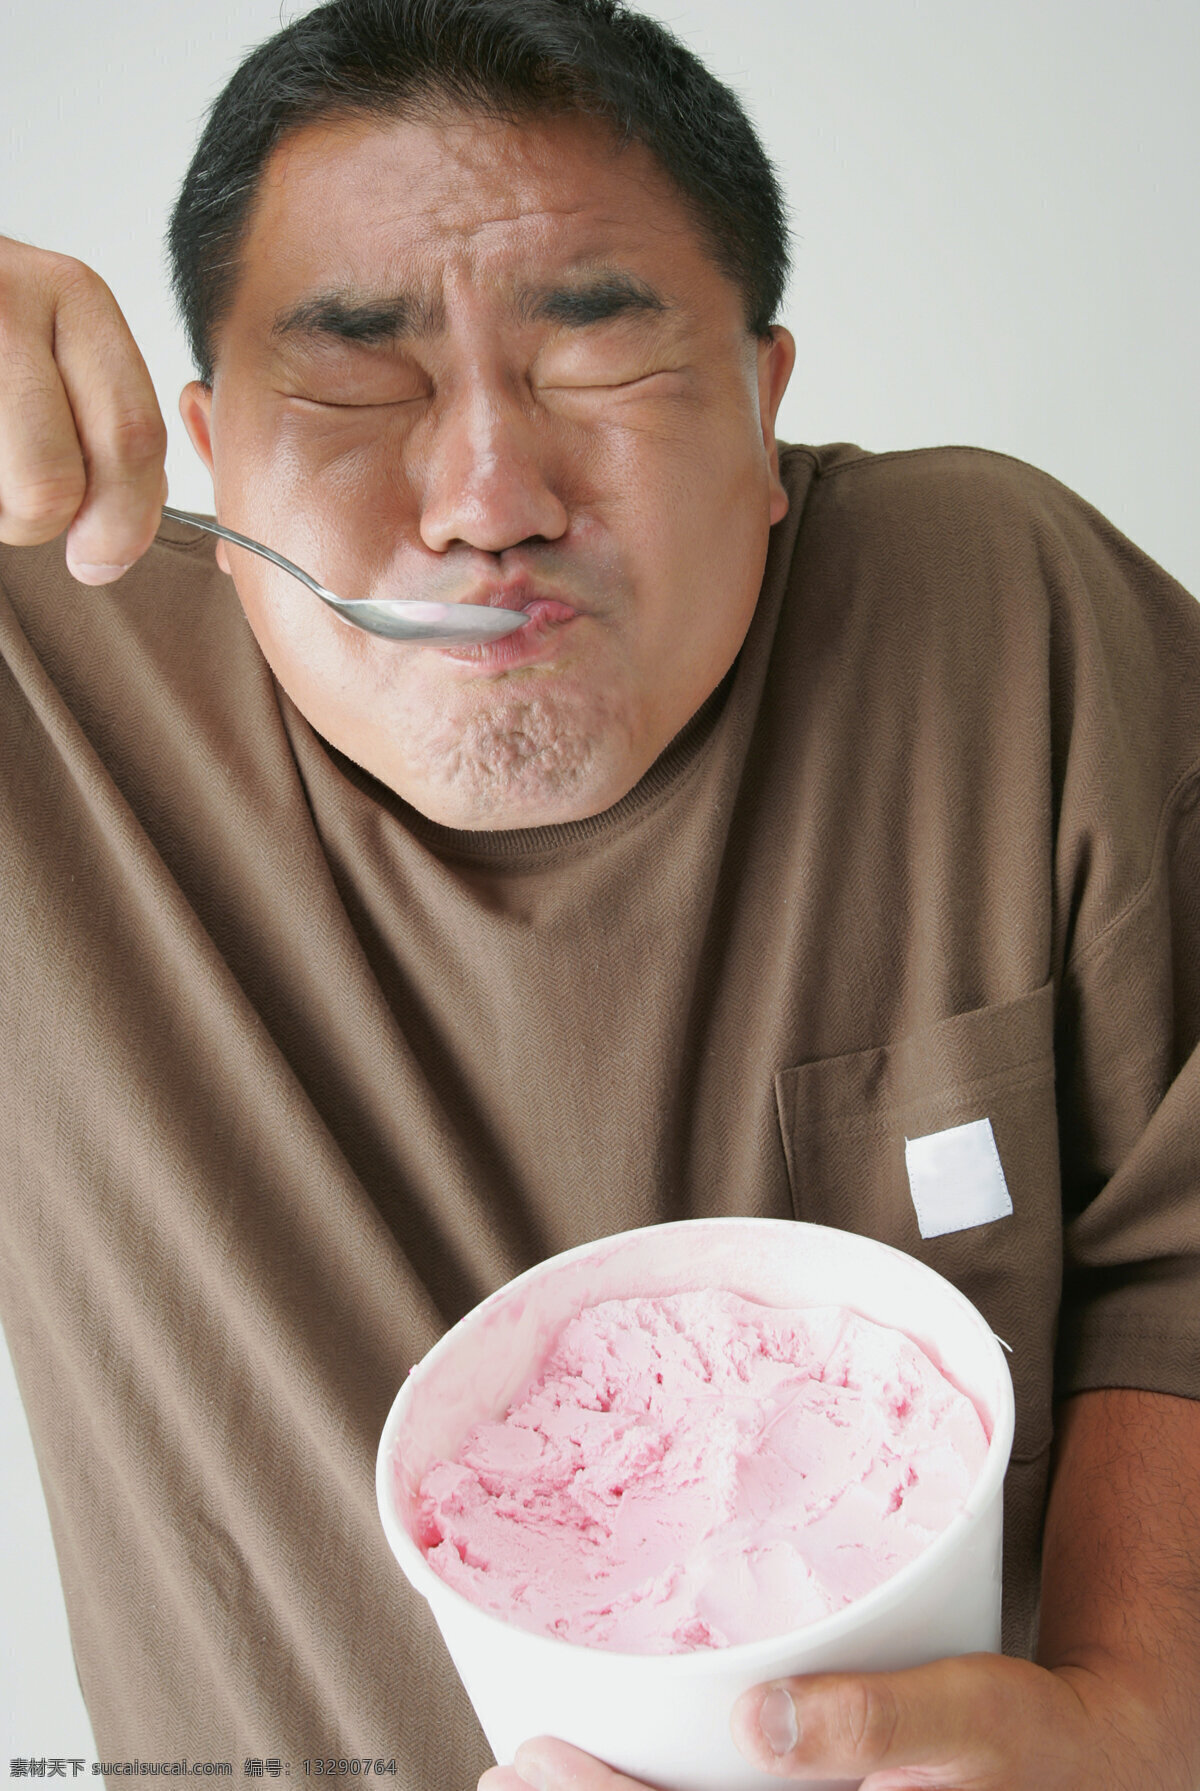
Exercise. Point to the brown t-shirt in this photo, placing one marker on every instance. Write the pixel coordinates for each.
(291, 1077)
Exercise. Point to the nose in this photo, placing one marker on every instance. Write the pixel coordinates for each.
(485, 482)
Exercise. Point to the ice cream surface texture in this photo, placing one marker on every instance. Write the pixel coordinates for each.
(695, 1470)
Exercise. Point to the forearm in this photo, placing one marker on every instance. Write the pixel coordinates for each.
(1121, 1568)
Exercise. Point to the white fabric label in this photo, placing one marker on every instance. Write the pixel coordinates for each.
(956, 1179)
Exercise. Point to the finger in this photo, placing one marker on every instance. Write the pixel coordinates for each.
(82, 439)
(547, 1764)
(502, 1778)
(974, 1719)
(121, 432)
(42, 475)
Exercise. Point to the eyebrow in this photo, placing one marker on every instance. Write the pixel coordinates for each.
(402, 316)
(595, 300)
(358, 320)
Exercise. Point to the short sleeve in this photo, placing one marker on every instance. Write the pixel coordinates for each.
(1125, 681)
(1130, 1124)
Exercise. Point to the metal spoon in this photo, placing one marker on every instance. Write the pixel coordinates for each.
(397, 618)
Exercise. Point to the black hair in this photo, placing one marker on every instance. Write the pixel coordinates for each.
(506, 59)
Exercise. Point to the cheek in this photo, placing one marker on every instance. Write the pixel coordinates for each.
(314, 487)
(690, 471)
(324, 664)
(704, 542)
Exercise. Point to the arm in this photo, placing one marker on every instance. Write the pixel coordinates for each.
(1121, 1564)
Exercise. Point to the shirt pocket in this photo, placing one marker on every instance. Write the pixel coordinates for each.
(844, 1122)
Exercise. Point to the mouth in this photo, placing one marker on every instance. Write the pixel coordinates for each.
(549, 620)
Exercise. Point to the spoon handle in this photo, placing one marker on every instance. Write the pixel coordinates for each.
(267, 553)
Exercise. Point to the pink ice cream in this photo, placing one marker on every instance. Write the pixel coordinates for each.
(695, 1470)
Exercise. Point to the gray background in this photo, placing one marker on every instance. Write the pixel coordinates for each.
(997, 243)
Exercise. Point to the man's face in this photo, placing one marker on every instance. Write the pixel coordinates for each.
(469, 361)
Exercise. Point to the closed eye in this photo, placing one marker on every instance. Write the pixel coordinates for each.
(603, 382)
(308, 403)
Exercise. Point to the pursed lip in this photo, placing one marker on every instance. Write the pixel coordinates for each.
(542, 605)
(547, 614)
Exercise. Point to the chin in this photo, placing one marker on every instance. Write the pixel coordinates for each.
(532, 759)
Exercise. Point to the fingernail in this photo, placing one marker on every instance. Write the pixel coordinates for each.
(533, 1771)
(777, 1720)
(535, 1778)
(95, 572)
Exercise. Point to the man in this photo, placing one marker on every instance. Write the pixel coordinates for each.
(828, 800)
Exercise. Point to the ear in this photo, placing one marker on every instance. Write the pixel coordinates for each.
(195, 407)
(776, 358)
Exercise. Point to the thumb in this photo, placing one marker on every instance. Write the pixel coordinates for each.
(954, 1715)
